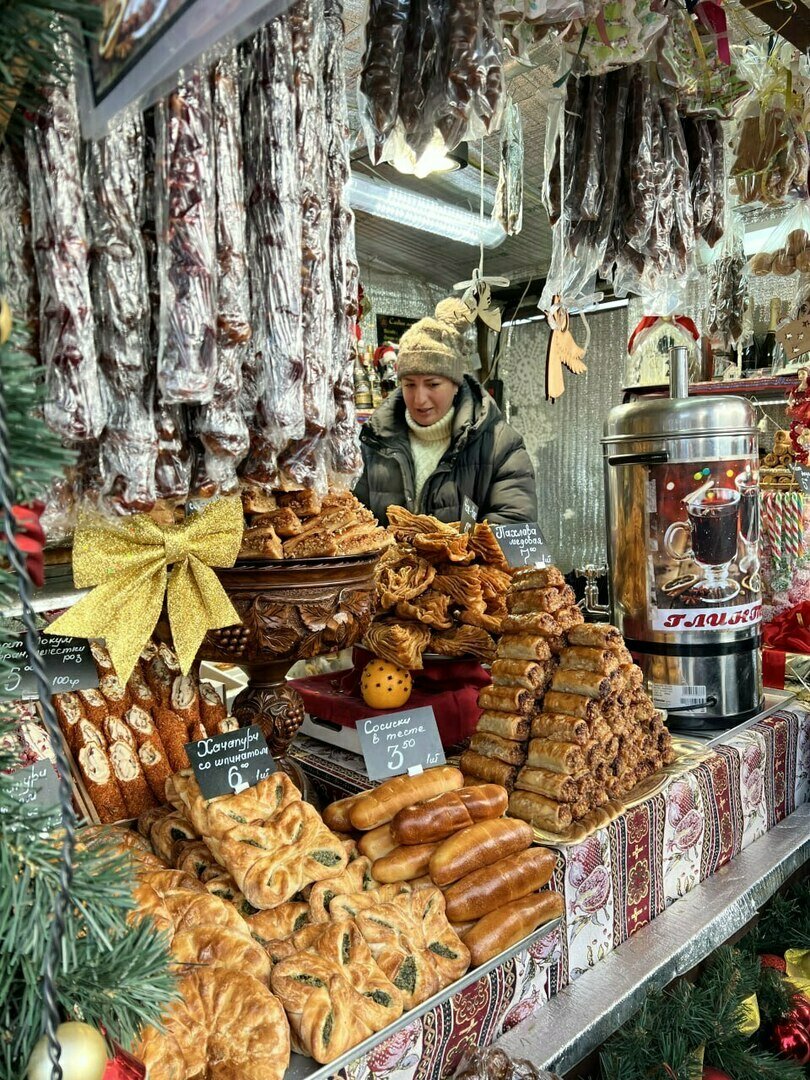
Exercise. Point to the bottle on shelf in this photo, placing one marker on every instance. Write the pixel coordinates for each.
(770, 350)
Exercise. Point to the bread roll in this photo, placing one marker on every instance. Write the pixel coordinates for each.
(551, 784)
(582, 658)
(403, 863)
(589, 684)
(432, 821)
(572, 705)
(538, 810)
(513, 753)
(480, 845)
(493, 886)
(509, 699)
(557, 726)
(376, 843)
(507, 725)
(374, 808)
(532, 577)
(595, 635)
(336, 815)
(489, 769)
(559, 757)
(528, 646)
(510, 924)
(485, 801)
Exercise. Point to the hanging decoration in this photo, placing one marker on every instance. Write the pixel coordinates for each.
(562, 350)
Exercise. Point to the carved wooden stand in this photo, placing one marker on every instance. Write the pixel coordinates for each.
(290, 611)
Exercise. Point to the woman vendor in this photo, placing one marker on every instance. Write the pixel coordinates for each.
(440, 436)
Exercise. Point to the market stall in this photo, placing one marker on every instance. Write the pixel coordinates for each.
(291, 788)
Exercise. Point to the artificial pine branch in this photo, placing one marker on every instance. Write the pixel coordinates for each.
(785, 922)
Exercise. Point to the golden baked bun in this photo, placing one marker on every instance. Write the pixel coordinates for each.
(226, 1026)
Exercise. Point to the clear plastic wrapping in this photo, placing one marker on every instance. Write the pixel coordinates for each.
(187, 358)
(508, 208)
(114, 181)
(623, 35)
(381, 71)
(704, 140)
(786, 249)
(174, 453)
(75, 405)
(493, 1063)
(727, 291)
(769, 159)
(220, 424)
(273, 392)
(421, 85)
(346, 460)
(465, 66)
(16, 256)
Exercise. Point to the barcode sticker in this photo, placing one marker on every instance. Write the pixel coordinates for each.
(667, 696)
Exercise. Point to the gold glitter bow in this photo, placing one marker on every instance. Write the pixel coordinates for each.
(127, 562)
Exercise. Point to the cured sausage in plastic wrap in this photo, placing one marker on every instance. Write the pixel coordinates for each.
(273, 390)
(220, 424)
(186, 242)
(381, 72)
(422, 83)
(682, 238)
(16, 256)
(466, 74)
(489, 104)
(716, 227)
(346, 460)
(114, 181)
(640, 206)
(174, 455)
(75, 405)
(508, 208)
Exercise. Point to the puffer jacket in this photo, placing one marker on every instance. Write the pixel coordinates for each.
(486, 461)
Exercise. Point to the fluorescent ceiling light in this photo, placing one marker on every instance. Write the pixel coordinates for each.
(435, 159)
(422, 212)
(606, 305)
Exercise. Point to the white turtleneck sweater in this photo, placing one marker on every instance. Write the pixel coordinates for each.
(428, 445)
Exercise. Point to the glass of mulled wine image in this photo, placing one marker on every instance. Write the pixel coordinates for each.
(712, 531)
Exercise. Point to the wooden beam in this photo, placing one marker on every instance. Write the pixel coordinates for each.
(792, 25)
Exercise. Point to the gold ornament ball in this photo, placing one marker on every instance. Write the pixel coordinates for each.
(385, 685)
(83, 1057)
(5, 322)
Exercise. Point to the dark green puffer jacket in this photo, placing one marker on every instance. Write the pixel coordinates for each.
(486, 461)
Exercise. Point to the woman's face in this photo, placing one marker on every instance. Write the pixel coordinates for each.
(428, 398)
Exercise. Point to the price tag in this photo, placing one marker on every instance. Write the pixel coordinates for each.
(230, 763)
(469, 515)
(801, 474)
(68, 665)
(523, 544)
(35, 787)
(400, 742)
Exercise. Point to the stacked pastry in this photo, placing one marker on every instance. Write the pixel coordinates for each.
(126, 741)
(541, 611)
(597, 735)
(429, 830)
(438, 590)
(304, 525)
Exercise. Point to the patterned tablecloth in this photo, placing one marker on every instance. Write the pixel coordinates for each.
(614, 883)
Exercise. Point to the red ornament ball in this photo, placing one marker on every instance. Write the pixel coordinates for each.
(800, 1012)
(772, 961)
(710, 1073)
(791, 1040)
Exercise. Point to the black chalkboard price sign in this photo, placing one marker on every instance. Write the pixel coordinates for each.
(68, 664)
(523, 544)
(469, 515)
(35, 787)
(400, 742)
(230, 763)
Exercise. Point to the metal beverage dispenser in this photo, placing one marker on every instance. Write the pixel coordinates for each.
(682, 493)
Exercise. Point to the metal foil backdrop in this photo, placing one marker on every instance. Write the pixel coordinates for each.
(563, 439)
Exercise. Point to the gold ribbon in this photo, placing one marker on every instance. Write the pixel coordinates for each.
(127, 562)
(797, 962)
(749, 1016)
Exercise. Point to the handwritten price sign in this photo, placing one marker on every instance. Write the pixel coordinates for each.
(68, 666)
(523, 544)
(400, 742)
(230, 763)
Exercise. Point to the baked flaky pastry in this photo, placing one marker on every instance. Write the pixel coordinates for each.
(454, 548)
(271, 863)
(405, 525)
(463, 590)
(430, 609)
(254, 805)
(401, 643)
(414, 944)
(403, 580)
(356, 878)
(464, 641)
(225, 1026)
(217, 946)
(334, 993)
(487, 548)
(278, 923)
(350, 905)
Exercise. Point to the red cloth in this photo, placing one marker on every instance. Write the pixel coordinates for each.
(30, 539)
(790, 631)
(450, 689)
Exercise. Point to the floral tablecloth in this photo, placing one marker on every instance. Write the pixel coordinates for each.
(614, 883)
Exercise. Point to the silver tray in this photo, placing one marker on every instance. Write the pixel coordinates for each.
(304, 1068)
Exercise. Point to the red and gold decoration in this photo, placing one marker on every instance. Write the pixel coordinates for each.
(385, 685)
(83, 1056)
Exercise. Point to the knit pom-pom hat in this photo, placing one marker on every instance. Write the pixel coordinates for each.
(436, 345)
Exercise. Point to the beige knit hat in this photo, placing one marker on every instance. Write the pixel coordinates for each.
(436, 345)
